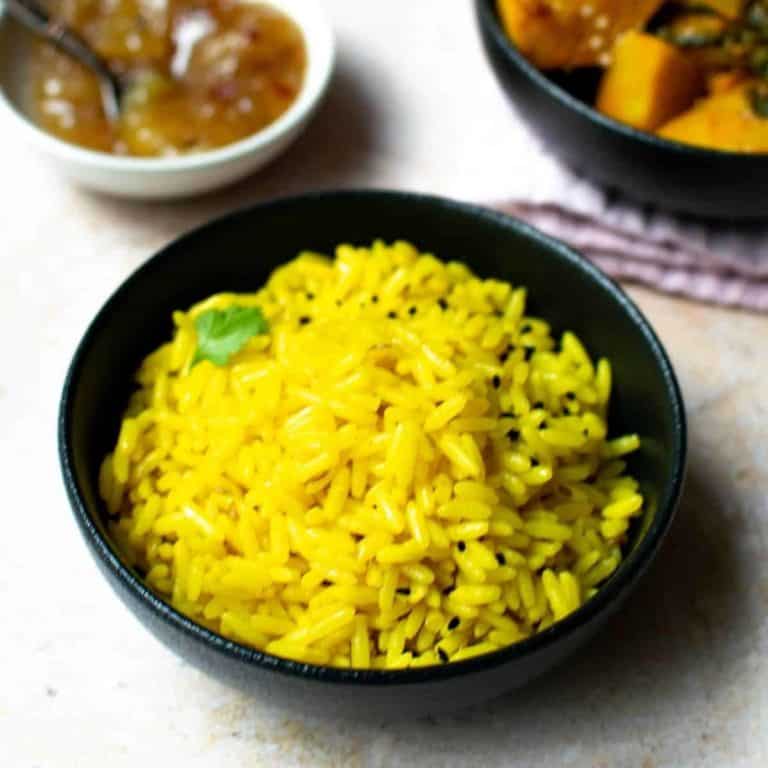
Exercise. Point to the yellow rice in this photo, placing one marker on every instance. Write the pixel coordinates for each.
(406, 470)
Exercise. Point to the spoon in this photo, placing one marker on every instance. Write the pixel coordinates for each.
(35, 18)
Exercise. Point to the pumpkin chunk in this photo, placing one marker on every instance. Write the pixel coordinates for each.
(648, 82)
(727, 121)
(564, 34)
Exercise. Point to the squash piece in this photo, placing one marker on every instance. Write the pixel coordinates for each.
(564, 34)
(720, 82)
(648, 82)
(727, 121)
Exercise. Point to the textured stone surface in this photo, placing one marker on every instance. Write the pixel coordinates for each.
(679, 678)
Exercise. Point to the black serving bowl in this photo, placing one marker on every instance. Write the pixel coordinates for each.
(683, 178)
(237, 253)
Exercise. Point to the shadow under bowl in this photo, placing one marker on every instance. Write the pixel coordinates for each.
(238, 253)
(679, 177)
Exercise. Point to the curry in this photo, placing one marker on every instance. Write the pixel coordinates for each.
(694, 72)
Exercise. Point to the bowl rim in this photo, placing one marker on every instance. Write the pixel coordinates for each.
(489, 19)
(629, 571)
(319, 39)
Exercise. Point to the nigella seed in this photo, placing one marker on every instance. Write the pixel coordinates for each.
(529, 353)
(570, 395)
(411, 311)
(543, 425)
(496, 381)
(325, 583)
(442, 303)
(443, 655)
(338, 302)
(305, 320)
(391, 314)
(403, 591)
(513, 434)
(503, 357)
(500, 559)
(310, 295)
(538, 404)
(534, 461)
(507, 415)
(453, 623)
(526, 328)
(448, 590)
(375, 299)
(462, 546)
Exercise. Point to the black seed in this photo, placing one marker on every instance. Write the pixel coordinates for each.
(526, 328)
(391, 314)
(443, 655)
(534, 461)
(310, 295)
(305, 320)
(375, 299)
(529, 353)
(585, 432)
(325, 583)
(498, 313)
(513, 434)
(496, 381)
(403, 590)
(570, 395)
(448, 590)
(442, 303)
(543, 425)
(503, 357)
(453, 623)
(538, 404)
(500, 559)
(411, 311)
(462, 546)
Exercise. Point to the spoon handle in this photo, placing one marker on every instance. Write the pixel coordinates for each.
(36, 19)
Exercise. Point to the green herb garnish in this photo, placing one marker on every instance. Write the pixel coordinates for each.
(222, 333)
(758, 98)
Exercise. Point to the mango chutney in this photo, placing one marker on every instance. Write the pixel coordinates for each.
(200, 74)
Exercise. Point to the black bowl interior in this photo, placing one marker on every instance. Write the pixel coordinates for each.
(238, 252)
(686, 179)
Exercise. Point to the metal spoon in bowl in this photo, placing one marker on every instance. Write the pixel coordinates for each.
(36, 19)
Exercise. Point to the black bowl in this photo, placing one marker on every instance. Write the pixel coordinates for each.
(683, 178)
(237, 253)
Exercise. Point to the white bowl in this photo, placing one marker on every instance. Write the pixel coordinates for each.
(182, 176)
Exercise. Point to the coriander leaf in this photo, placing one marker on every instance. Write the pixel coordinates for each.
(222, 333)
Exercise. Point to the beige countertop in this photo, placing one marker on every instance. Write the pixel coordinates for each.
(679, 678)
